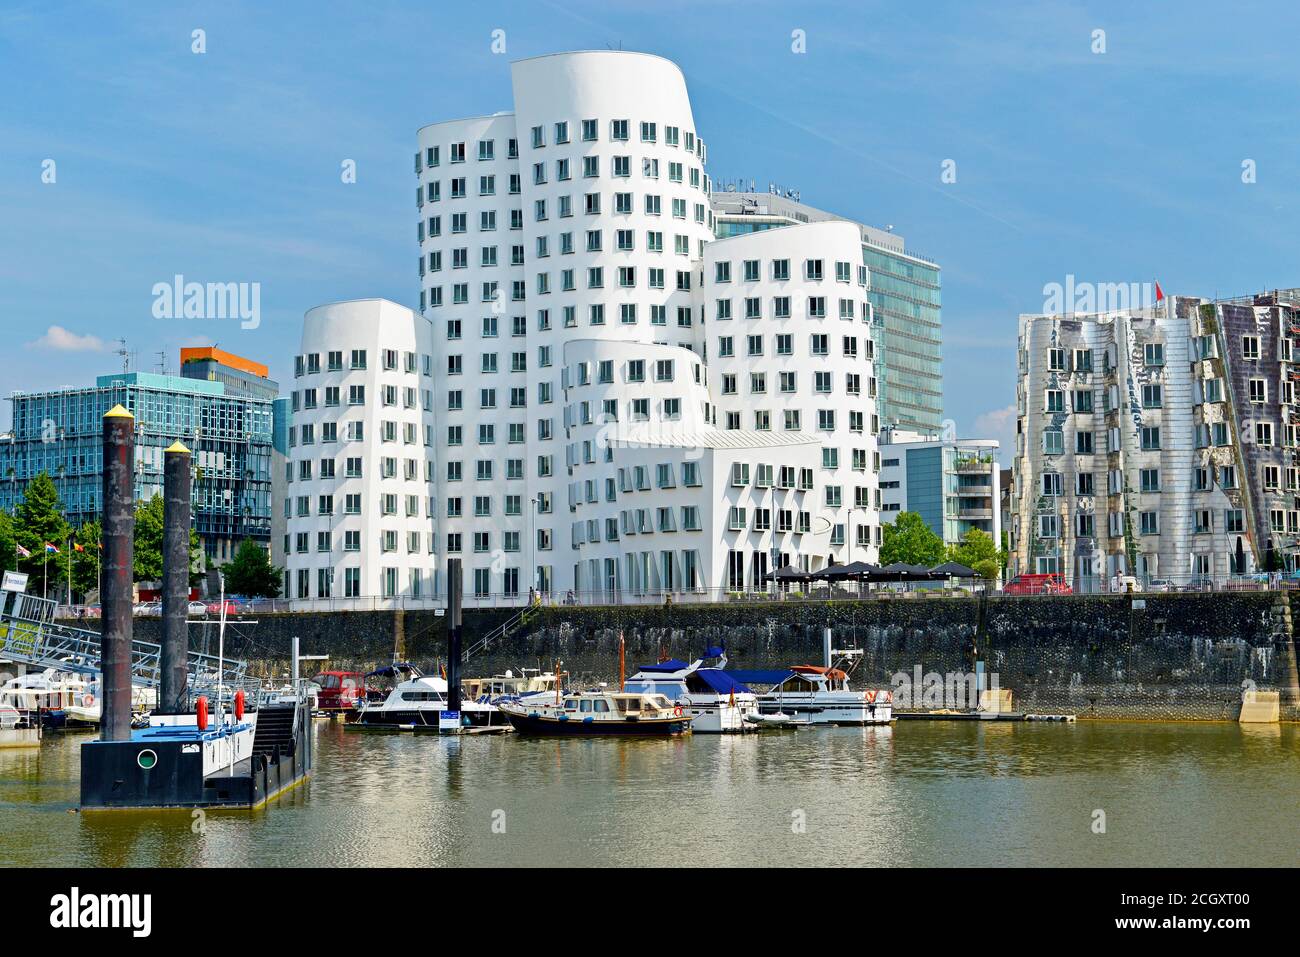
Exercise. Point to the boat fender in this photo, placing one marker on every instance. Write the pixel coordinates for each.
(871, 697)
(239, 705)
(201, 713)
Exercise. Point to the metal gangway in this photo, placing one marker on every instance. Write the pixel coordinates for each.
(30, 636)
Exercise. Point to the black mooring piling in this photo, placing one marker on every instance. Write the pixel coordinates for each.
(454, 586)
(173, 666)
(119, 559)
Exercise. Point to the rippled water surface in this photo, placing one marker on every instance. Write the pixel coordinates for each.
(919, 793)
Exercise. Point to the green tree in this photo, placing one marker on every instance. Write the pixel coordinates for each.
(149, 542)
(8, 555)
(910, 540)
(976, 546)
(38, 519)
(250, 572)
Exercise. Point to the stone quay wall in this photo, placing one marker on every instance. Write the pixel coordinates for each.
(1153, 656)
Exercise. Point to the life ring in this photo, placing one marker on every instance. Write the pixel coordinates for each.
(239, 705)
(871, 697)
(677, 711)
(201, 713)
(88, 700)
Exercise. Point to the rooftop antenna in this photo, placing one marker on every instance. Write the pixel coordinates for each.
(162, 361)
(125, 353)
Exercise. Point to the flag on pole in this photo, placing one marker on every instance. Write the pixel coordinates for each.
(1160, 293)
(77, 547)
(51, 549)
(23, 552)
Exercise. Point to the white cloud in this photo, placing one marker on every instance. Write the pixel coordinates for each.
(61, 340)
(999, 424)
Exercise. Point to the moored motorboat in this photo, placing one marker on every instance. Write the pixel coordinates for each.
(820, 695)
(419, 702)
(508, 686)
(596, 713)
(714, 699)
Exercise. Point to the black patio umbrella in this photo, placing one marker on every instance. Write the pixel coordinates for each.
(903, 572)
(860, 570)
(952, 570)
(788, 573)
(832, 573)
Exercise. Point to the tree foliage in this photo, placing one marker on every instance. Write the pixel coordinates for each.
(86, 563)
(912, 541)
(38, 519)
(250, 572)
(148, 565)
(8, 555)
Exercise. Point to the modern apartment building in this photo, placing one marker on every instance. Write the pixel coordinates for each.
(60, 432)
(905, 301)
(597, 395)
(1159, 443)
(953, 484)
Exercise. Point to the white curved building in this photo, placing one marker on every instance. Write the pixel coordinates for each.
(362, 456)
(587, 436)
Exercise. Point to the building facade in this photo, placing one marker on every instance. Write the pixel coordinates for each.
(953, 484)
(60, 433)
(606, 399)
(904, 294)
(1158, 443)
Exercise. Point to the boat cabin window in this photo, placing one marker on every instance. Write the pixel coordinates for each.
(421, 696)
(586, 704)
(327, 682)
(797, 683)
(600, 705)
(570, 705)
(630, 705)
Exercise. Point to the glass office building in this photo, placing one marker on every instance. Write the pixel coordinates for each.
(230, 436)
(905, 301)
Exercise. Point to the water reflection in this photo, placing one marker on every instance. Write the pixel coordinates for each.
(918, 793)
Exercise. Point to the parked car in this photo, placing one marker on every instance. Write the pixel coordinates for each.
(198, 609)
(232, 608)
(1039, 584)
(148, 609)
(1160, 584)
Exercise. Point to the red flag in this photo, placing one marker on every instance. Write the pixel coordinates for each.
(1160, 293)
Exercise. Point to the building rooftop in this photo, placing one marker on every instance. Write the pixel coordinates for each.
(202, 353)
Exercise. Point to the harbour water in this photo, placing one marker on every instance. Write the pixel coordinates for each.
(917, 793)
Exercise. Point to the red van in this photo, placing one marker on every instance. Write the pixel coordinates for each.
(1052, 583)
(340, 690)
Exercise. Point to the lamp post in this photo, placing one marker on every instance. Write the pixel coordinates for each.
(534, 586)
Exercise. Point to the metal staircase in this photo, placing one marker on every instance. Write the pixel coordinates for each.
(502, 631)
(30, 636)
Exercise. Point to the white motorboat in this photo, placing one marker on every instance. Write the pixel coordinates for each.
(508, 686)
(65, 699)
(714, 699)
(418, 702)
(821, 695)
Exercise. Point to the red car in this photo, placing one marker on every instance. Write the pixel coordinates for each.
(340, 690)
(1041, 584)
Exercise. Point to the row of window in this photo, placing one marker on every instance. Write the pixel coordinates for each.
(588, 130)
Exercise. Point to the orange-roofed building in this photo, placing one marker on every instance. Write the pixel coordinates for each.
(241, 377)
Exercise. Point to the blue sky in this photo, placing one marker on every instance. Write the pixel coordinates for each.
(1115, 167)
